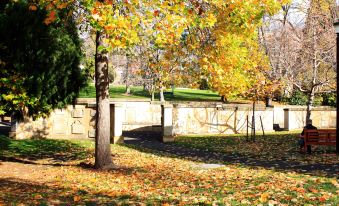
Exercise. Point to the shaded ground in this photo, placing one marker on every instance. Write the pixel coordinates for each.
(4, 128)
(61, 175)
(48, 151)
(276, 151)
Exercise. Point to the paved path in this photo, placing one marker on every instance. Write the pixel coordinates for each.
(148, 141)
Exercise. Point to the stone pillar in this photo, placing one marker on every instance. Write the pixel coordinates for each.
(167, 123)
(117, 118)
(287, 119)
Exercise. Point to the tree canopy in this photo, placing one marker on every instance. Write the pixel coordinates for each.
(219, 35)
(39, 63)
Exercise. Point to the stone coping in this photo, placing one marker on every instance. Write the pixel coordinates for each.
(91, 102)
(312, 109)
(112, 100)
(240, 107)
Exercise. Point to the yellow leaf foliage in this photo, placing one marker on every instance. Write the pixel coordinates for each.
(229, 50)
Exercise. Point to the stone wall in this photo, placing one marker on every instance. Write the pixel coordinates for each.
(73, 122)
(142, 116)
(322, 117)
(78, 122)
(219, 119)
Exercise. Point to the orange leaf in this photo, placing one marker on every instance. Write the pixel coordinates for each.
(76, 198)
(156, 13)
(62, 6)
(32, 8)
(37, 197)
(322, 199)
(314, 190)
(264, 197)
(51, 17)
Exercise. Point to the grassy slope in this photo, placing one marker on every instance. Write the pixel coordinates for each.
(138, 93)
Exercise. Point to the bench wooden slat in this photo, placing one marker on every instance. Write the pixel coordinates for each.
(320, 137)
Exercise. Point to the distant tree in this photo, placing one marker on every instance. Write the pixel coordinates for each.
(280, 37)
(39, 64)
(316, 71)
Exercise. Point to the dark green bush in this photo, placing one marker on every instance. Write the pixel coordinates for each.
(329, 99)
(39, 63)
(204, 85)
(298, 98)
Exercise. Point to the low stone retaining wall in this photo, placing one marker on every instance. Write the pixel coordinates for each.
(73, 122)
(322, 117)
(78, 122)
(219, 119)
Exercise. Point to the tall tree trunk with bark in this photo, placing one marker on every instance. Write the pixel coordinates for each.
(161, 96)
(309, 103)
(103, 159)
(315, 68)
(128, 84)
(152, 92)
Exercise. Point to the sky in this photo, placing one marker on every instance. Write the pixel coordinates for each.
(296, 15)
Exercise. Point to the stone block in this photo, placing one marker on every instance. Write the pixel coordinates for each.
(92, 123)
(59, 124)
(92, 113)
(167, 139)
(59, 111)
(118, 140)
(78, 113)
(117, 118)
(91, 133)
(167, 123)
(79, 106)
(77, 127)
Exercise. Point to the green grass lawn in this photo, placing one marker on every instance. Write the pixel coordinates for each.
(58, 172)
(138, 93)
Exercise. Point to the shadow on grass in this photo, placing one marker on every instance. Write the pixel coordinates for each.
(17, 191)
(31, 150)
(276, 151)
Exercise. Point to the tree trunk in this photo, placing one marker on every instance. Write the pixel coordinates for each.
(152, 92)
(128, 89)
(128, 86)
(103, 157)
(309, 104)
(253, 123)
(152, 98)
(162, 97)
(314, 76)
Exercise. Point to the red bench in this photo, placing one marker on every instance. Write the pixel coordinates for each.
(319, 137)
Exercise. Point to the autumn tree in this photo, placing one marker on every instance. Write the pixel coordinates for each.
(229, 50)
(117, 24)
(316, 71)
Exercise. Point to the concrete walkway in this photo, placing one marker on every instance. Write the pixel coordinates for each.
(149, 141)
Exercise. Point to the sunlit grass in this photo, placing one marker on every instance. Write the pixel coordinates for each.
(138, 93)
